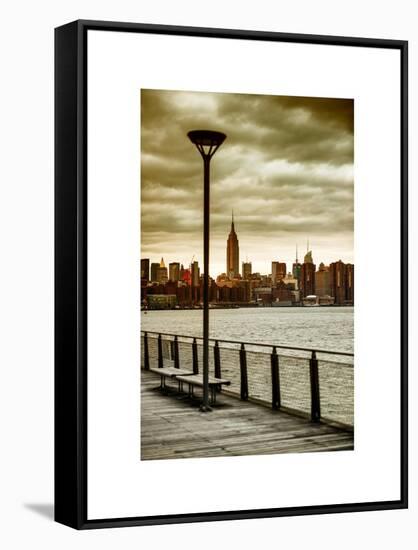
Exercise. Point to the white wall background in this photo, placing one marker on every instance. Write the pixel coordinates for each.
(26, 287)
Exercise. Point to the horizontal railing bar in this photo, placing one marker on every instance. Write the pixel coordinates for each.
(239, 342)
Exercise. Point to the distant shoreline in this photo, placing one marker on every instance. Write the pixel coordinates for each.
(248, 306)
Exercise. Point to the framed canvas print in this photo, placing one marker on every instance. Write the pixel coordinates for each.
(229, 343)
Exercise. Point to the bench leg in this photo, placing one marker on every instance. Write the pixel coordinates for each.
(163, 384)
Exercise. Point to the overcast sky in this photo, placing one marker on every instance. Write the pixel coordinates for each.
(286, 168)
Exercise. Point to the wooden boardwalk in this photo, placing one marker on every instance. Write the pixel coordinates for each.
(173, 427)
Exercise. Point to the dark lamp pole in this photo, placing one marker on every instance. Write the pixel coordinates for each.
(207, 143)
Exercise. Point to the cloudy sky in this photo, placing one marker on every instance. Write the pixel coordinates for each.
(286, 169)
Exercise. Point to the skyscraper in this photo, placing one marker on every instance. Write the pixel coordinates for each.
(278, 271)
(246, 270)
(154, 267)
(322, 284)
(349, 283)
(342, 282)
(308, 257)
(162, 276)
(145, 269)
(307, 276)
(296, 267)
(337, 272)
(195, 274)
(174, 271)
(232, 252)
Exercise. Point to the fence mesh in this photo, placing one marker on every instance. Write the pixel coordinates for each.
(259, 376)
(336, 377)
(295, 386)
(336, 385)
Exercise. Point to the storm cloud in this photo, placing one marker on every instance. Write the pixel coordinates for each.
(286, 169)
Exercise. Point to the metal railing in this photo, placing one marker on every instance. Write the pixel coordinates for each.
(314, 383)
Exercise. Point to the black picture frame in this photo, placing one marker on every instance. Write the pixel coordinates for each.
(71, 339)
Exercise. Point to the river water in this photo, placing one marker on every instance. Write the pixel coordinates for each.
(326, 328)
(330, 328)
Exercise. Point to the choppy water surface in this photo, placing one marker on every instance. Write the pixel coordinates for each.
(328, 328)
(312, 327)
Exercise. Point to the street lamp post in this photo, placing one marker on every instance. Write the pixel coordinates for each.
(207, 143)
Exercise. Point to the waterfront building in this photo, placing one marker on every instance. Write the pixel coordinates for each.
(184, 295)
(349, 283)
(296, 267)
(322, 281)
(310, 300)
(326, 300)
(154, 267)
(212, 288)
(282, 293)
(278, 272)
(245, 287)
(307, 276)
(162, 301)
(232, 252)
(337, 271)
(145, 269)
(315, 300)
(246, 270)
(224, 293)
(174, 271)
(170, 287)
(296, 296)
(195, 273)
(263, 295)
(342, 282)
(291, 281)
(186, 277)
(238, 291)
(195, 281)
(162, 274)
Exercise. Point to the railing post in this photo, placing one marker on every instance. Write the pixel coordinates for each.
(176, 353)
(275, 380)
(146, 351)
(160, 352)
(315, 400)
(217, 360)
(195, 357)
(244, 374)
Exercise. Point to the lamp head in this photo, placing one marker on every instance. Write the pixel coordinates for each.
(206, 141)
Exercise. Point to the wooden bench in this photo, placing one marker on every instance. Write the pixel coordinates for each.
(197, 380)
(170, 372)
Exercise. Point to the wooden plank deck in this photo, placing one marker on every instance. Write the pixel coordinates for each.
(173, 427)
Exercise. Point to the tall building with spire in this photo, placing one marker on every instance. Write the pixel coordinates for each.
(162, 275)
(307, 275)
(232, 252)
(296, 267)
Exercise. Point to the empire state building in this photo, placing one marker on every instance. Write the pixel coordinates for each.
(232, 253)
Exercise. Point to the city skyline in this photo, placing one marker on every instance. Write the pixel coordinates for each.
(266, 264)
(234, 265)
(286, 169)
